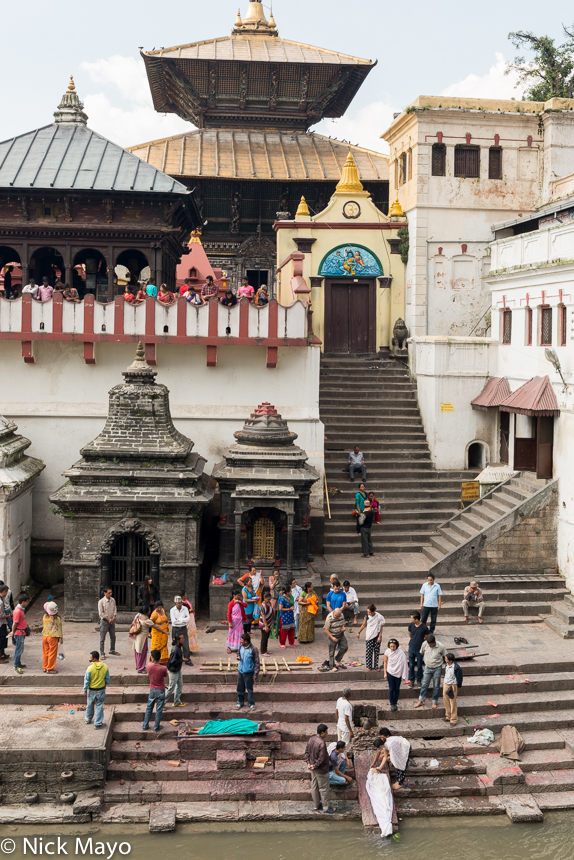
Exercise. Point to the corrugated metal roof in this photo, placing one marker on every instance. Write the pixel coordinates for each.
(70, 156)
(535, 397)
(257, 49)
(234, 154)
(494, 392)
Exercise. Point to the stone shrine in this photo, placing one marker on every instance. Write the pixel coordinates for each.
(17, 475)
(264, 483)
(133, 503)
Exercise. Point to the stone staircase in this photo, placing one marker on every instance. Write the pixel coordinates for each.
(373, 403)
(469, 531)
(199, 772)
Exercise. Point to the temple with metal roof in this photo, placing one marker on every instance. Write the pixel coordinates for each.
(78, 207)
(253, 97)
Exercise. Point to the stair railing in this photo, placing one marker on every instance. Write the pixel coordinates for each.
(327, 494)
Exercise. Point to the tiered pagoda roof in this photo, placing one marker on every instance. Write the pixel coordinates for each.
(253, 79)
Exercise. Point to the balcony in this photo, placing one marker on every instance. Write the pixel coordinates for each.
(213, 325)
(548, 247)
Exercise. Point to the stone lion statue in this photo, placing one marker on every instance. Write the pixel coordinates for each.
(400, 335)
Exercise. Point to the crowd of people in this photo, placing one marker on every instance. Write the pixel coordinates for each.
(198, 296)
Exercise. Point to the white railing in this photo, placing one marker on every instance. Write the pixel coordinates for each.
(542, 247)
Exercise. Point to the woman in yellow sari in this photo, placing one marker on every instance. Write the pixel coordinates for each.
(159, 637)
(309, 603)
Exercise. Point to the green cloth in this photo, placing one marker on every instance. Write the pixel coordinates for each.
(229, 727)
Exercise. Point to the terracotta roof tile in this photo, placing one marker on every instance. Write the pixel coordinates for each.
(535, 397)
(494, 392)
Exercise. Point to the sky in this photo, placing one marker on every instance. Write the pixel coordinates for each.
(422, 49)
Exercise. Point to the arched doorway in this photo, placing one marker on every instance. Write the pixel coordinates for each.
(130, 563)
(477, 455)
(90, 273)
(131, 266)
(10, 272)
(46, 263)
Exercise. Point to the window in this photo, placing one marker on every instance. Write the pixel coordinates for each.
(506, 326)
(397, 173)
(403, 169)
(545, 326)
(467, 161)
(563, 321)
(495, 162)
(47, 211)
(438, 159)
(410, 163)
(528, 326)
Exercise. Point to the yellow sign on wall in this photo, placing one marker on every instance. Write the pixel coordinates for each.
(446, 407)
(470, 491)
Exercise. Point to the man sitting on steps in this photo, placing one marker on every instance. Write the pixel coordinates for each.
(472, 597)
(357, 464)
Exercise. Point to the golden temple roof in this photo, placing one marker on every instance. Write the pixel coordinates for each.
(235, 154)
(258, 49)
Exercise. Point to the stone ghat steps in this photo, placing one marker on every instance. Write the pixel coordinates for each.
(210, 790)
(480, 785)
(276, 695)
(555, 716)
(186, 811)
(368, 588)
(499, 611)
(452, 588)
(489, 805)
(196, 770)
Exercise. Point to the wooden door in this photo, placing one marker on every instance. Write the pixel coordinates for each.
(525, 448)
(545, 440)
(504, 436)
(350, 316)
(130, 564)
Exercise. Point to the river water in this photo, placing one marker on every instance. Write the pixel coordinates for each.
(453, 838)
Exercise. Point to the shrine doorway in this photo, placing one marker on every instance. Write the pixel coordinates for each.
(130, 563)
(350, 316)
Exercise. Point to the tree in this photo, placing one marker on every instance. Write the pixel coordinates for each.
(550, 73)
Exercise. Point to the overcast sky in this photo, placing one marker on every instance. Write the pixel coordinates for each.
(450, 48)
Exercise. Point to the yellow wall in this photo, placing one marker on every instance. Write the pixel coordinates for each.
(390, 302)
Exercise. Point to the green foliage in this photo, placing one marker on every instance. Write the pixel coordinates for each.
(403, 234)
(550, 71)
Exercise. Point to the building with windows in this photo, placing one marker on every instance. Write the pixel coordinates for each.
(78, 207)
(252, 98)
(460, 167)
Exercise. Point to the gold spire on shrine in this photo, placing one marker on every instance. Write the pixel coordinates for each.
(396, 210)
(71, 85)
(303, 210)
(349, 181)
(71, 109)
(255, 23)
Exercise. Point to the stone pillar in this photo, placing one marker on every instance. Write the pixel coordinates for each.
(290, 543)
(237, 553)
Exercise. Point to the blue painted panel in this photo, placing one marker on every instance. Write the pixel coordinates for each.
(350, 261)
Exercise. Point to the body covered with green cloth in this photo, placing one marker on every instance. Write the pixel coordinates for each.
(229, 727)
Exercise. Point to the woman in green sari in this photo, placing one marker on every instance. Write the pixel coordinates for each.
(309, 604)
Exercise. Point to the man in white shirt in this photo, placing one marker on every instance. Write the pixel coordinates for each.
(352, 605)
(296, 591)
(357, 464)
(107, 612)
(31, 288)
(344, 711)
(179, 617)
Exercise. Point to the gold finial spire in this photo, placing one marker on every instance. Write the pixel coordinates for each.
(396, 210)
(303, 209)
(350, 176)
(71, 85)
(238, 22)
(272, 21)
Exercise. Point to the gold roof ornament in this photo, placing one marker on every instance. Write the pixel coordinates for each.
(396, 210)
(238, 23)
(71, 85)
(349, 181)
(71, 109)
(303, 209)
(255, 21)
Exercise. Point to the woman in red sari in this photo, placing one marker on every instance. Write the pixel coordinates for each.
(164, 296)
(375, 506)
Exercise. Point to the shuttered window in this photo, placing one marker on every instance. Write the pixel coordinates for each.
(495, 162)
(438, 159)
(467, 161)
(528, 326)
(506, 326)
(563, 322)
(403, 168)
(546, 327)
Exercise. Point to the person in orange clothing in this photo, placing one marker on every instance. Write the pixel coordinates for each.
(52, 635)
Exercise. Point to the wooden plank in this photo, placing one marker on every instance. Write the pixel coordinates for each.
(286, 664)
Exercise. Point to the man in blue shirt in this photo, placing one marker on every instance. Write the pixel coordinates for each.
(431, 601)
(248, 671)
(336, 599)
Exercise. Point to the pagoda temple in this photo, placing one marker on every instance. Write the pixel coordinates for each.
(253, 97)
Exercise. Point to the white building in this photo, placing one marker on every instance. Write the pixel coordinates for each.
(458, 167)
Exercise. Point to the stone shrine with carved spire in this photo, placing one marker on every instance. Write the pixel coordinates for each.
(132, 504)
(264, 482)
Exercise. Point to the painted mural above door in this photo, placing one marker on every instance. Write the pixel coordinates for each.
(350, 261)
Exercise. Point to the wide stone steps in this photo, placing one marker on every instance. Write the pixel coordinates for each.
(521, 597)
(209, 790)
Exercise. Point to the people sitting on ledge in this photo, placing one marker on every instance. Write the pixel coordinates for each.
(195, 298)
(31, 289)
(164, 296)
(229, 300)
(45, 291)
(186, 285)
(151, 290)
(141, 294)
(130, 296)
(261, 297)
(70, 294)
(59, 286)
(209, 289)
(245, 291)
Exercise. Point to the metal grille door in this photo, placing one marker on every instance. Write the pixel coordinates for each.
(264, 539)
(130, 564)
